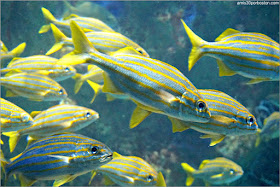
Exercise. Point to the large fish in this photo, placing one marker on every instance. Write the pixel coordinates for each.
(249, 54)
(130, 171)
(12, 117)
(153, 85)
(32, 86)
(55, 120)
(86, 23)
(6, 54)
(41, 64)
(60, 157)
(105, 42)
(228, 118)
(218, 171)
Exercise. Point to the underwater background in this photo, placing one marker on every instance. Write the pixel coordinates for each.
(156, 26)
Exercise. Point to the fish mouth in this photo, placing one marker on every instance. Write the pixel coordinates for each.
(106, 158)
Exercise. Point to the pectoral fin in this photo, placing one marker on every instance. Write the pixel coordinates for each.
(24, 181)
(9, 93)
(138, 115)
(66, 159)
(257, 80)
(215, 139)
(4, 121)
(63, 180)
(178, 125)
(224, 70)
(217, 176)
(108, 181)
(93, 172)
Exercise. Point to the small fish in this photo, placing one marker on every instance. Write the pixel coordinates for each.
(86, 23)
(13, 118)
(60, 157)
(130, 171)
(252, 55)
(94, 74)
(218, 171)
(5, 54)
(33, 86)
(41, 64)
(270, 129)
(228, 118)
(55, 120)
(153, 85)
(105, 42)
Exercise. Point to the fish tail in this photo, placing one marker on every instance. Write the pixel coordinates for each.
(59, 40)
(96, 87)
(197, 42)
(189, 171)
(14, 137)
(19, 49)
(82, 47)
(69, 6)
(78, 82)
(49, 18)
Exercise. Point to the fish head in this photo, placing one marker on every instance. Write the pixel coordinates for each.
(232, 173)
(142, 51)
(94, 155)
(62, 72)
(68, 70)
(247, 122)
(56, 93)
(26, 118)
(147, 176)
(194, 108)
(86, 115)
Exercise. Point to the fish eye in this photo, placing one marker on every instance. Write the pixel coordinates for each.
(250, 120)
(140, 52)
(231, 171)
(60, 92)
(94, 150)
(88, 114)
(150, 178)
(67, 69)
(24, 118)
(200, 106)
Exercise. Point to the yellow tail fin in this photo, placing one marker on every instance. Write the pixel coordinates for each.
(96, 87)
(59, 40)
(79, 82)
(49, 19)
(19, 49)
(14, 138)
(189, 171)
(197, 42)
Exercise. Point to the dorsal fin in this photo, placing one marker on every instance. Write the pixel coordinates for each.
(227, 32)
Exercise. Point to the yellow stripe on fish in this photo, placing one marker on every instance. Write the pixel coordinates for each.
(131, 171)
(105, 42)
(153, 85)
(40, 64)
(55, 120)
(218, 171)
(13, 118)
(228, 118)
(33, 86)
(252, 55)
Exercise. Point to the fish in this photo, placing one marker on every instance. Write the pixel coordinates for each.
(57, 119)
(13, 118)
(60, 157)
(130, 171)
(270, 129)
(32, 86)
(86, 23)
(41, 64)
(94, 74)
(153, 85)
(249, 54)
(105, 42)
(6, 54)
(218, 171)
(228, 118)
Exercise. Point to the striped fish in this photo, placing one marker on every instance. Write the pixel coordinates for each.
(86, 23)
(33, 86)
(105, 42)
(130, 171)
(41, 64)
(252, 55)
(94, 74)
(6, 54)
(60, 157)
(55, 120)
(218, 171)
(153, 85)
(13, 118)
(228, 118)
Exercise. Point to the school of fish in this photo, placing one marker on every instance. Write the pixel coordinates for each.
(122, 69)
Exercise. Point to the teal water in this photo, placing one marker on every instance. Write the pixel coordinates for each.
(157, 28)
